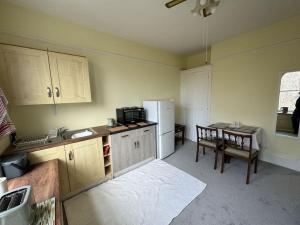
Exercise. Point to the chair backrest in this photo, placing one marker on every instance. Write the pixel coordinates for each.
(237, 140)
(207, 133)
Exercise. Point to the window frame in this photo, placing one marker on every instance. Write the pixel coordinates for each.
(281, 74)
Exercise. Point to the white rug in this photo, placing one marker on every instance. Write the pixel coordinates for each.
(153, 194)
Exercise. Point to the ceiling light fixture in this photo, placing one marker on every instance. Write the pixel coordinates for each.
(205, 7)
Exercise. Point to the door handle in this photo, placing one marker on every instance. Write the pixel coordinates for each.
(146, 130)
(57, 92)
(71, 156)
(124, 136)
(49, 92)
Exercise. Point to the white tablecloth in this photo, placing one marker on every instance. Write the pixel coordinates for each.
(257, 139)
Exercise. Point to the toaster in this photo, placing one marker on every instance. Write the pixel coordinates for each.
(15, 207)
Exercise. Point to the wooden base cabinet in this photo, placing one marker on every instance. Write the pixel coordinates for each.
(49, 154)
(131, 148)
(81, 164)
(85, 163)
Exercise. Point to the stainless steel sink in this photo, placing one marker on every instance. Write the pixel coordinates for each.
(68, 134)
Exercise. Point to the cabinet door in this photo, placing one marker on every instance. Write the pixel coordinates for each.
(137, 152)
(148, 142)
(25, 76)
(70, 77)
(121, 147)
(85, 163)
(49, 154)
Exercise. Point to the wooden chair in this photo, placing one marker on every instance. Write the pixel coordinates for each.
(234, 146)
(208, 138)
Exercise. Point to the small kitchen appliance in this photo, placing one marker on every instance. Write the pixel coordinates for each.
(14, 165)
(129, 115)
(15, 206)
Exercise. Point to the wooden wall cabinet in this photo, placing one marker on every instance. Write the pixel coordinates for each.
(131, 148)
(70, 78)
(31, 77)
(85, 163)
(25, 75)
(54, 153)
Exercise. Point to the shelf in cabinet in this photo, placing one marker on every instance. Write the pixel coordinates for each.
(107, 170)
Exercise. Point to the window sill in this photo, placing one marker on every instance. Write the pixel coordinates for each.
(287, 135)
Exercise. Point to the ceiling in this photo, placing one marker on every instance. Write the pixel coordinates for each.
(176, 30)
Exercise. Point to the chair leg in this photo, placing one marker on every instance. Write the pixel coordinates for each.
(223, 158)
(197, 154)
(216, 158)
(248, 171)
(203, 150)
(255, 166)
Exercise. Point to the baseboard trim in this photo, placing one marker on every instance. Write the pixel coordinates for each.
(280, 160)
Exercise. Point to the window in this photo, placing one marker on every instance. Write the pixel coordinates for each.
(289, 90)
(288, 115)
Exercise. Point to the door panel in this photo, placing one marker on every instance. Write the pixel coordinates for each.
(85, 163)
(148, 142)
(195, 99)
(166, 144)
(121, 150)
(70, 76)
(166, 116)
(25, 76)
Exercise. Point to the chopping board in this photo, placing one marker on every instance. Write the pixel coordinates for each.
(117, 129)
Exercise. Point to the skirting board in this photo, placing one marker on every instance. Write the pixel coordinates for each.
(293, 164)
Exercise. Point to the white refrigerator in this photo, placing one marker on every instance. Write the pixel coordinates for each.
(163, 113)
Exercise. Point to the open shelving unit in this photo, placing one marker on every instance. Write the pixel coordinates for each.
(107, 157)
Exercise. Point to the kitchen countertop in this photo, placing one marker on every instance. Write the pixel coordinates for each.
(100, 131)
(44, 180)
(126, 128)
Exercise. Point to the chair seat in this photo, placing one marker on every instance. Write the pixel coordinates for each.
(211, 144)
(239, 152)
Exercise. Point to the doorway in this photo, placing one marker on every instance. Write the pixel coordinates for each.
(195, 99)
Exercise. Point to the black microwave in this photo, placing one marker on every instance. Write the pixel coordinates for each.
(129, 115)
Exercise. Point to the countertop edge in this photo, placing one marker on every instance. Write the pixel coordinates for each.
(100, 130)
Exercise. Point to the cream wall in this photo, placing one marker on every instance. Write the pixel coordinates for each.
(122, 73)
(197, 59)
(245, 82)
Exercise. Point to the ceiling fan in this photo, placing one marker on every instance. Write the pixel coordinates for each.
(203, 7)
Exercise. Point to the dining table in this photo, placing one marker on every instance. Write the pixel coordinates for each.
(256, 132)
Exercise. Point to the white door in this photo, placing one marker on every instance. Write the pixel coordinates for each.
(195, 99)
(166, 116)
(165, 145)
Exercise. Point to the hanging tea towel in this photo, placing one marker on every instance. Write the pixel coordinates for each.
(6, 126)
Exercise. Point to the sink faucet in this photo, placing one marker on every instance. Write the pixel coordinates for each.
(61, 131)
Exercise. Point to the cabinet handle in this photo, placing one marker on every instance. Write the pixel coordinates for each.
(71, 156)
(146, 130)
(57, 92)
(138, 144)
(124, 136)
(49, 92)
(135, 144)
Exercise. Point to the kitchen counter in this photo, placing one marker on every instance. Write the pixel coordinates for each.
(44, 180)
(100, 131)
(122, 128)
